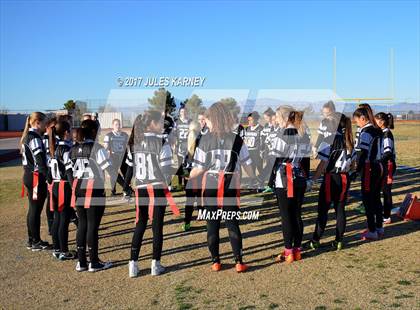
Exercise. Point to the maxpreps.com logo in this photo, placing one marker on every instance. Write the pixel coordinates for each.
(221, 214)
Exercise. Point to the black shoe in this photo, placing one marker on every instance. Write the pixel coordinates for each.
(41, 246)
(56, 254)
(68, 255)
(29, 245)
(99, 266)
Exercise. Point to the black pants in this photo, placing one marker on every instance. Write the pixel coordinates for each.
(213, 225)
(291, 214)
(49, 214)
(193, 194)
(120, 165)
(338, 197)
(87, 230)
(142, 215)
(371, 197)
(33, 218)
(387, 191)
(60, 227)
(180, 171)
(257, 162)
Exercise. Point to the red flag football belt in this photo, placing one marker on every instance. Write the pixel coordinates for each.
(61, 194)
(151, 194)
(35, 181)
(390, 176)
(88, 195)
(328, 187)
(221, 188)
(289, 175)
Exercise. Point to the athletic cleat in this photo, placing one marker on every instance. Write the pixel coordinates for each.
(367, 235)
(156, 268)
(297, 255)
(99, 266)
(338, 245)
(216, 267)
(387, 221)
(29, 245)
(133, 269)
(380, 232)
(80, 268)
(240, 267)
(68, 255)
(56, 254)
(267, 189)
(186, 227)
(41, 246)
(285, 256)
(314, 244)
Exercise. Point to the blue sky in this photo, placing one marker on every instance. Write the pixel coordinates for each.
(54, 51)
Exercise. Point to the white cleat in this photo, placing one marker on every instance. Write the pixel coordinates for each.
(133, 269)
(157, 268)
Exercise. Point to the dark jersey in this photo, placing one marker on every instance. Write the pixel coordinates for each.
(149, 159)
(336, 154)
(116, 142)
(182, 128)
(368, 147)
(305, 151)
(252, 137)
(388, 146)
(271, 137)
(287, 149)
(45, 141)
(221, 154)
(326, 129)
(168, 125)
(33, 153)
(61, 161)
(88, 160)
(239, 130)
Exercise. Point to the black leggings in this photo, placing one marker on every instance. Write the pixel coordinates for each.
(193, 195)
(142, 211)
(291, 215)
(213, 225)
(387, 192)
(60, 227)
(122, 167)
(87, 230)
(257, 162)
(372, 198)
(33, 218)
(339, 199)
(49, 214)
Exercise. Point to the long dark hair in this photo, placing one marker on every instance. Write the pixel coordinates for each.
(89, 129)
(387, 118)
(141, 124)
(221, 119)
(370, 113)
(59, 130)
(344, 125)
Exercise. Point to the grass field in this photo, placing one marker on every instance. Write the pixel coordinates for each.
(377, 275)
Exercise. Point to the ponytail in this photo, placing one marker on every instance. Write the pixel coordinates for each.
(370, 116)
(298, 122)
(141, 125)
(26, 129)
(390, 121)
(52, 141)
(30, 120)
(346, 129)
(387, 118)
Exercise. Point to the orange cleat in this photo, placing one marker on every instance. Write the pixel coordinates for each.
(216, 267)
(241, 267)
(297, 254)
(286, 256)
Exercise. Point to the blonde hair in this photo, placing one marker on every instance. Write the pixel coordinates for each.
(30, 121)
(193, 132)
(292, 116)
